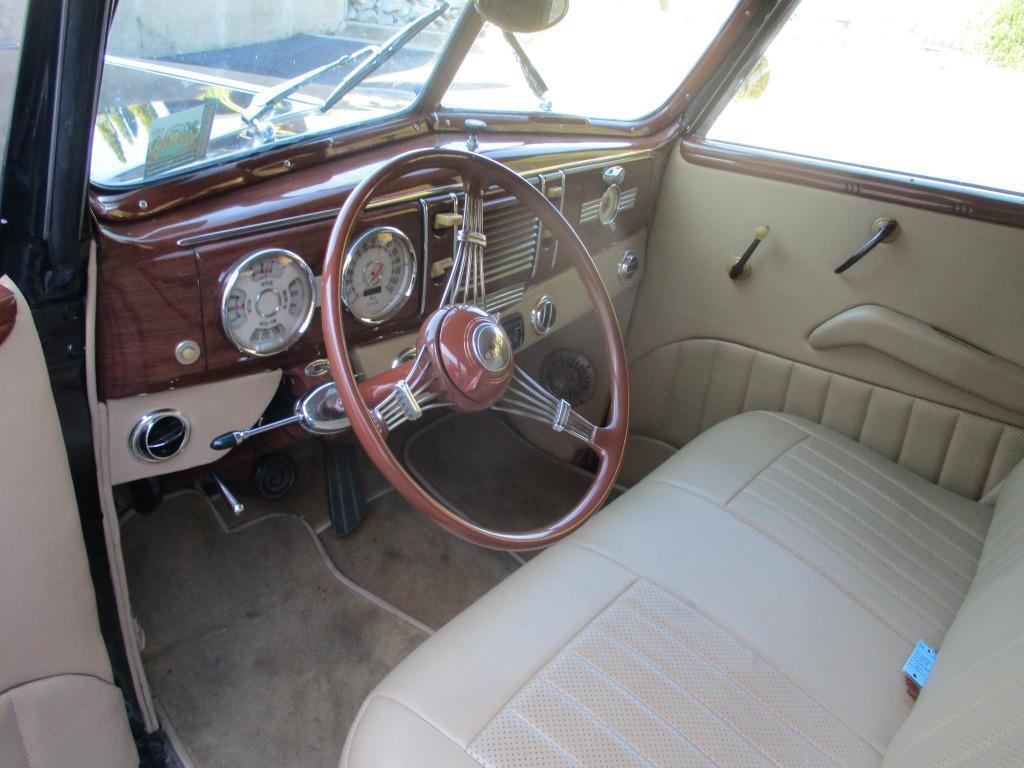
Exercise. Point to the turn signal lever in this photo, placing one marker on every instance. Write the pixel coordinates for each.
(319, 412)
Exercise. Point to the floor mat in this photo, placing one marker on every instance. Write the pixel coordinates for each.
(256, 652)
(404, 558)
(395, 553)
(480, 467)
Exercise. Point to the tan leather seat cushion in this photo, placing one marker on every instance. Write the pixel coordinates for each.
(752, 602)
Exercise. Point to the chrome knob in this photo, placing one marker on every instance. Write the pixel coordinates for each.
(475, 128)
(614, 175)
(629, 264)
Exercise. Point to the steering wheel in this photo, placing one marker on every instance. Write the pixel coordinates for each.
(464, 358)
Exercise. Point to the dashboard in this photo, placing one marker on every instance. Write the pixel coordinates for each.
(216, 295)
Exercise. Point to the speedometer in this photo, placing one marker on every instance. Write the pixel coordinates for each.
(267, 301)
(379, 274)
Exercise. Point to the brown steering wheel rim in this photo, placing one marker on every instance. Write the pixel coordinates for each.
(477, 174)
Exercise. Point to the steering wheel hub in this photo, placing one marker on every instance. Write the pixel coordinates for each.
(491, 346)
(476, 355)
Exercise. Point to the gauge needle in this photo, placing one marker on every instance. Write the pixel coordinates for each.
(378, 270)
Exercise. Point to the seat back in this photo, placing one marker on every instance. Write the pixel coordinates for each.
(58, 704)
(971, 711)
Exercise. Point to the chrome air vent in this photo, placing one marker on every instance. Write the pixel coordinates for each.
(513, 236)
(513, 242)
(159, 435)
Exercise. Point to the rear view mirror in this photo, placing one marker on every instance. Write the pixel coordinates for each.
(523, 15)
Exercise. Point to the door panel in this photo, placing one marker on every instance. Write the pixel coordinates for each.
(58, 703)
(957, 278)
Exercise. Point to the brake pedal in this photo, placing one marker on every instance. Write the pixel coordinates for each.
(346, 498)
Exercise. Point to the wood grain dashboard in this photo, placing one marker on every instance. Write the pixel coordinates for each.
(160, 277)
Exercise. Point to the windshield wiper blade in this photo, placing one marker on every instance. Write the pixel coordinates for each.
(267, 99)
(387, 49)
(530, 71)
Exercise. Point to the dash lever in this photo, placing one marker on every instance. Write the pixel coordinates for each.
(319, 412)
(235, 439)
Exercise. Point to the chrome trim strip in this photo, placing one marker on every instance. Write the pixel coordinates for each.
(506, 297)
(540, 228)
(425, 272)
(561, 210)
(590, 211)
(400, 197)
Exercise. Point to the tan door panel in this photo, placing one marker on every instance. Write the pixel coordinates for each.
(955, 277)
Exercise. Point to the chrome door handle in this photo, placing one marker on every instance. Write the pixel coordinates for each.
(884, 230)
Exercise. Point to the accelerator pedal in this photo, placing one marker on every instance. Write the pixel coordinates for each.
(346, 499)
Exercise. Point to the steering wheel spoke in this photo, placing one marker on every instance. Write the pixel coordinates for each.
(527, 398)
(408, 397)
(466, 282)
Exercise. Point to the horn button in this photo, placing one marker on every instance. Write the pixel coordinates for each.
(476, 354)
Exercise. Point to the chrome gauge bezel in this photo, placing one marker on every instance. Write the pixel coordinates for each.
(232, 279)
(407, 290)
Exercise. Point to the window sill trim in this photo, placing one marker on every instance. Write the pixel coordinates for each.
(937, 195)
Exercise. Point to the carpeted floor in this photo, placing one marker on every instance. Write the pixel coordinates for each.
(252, 646)
(255, 646)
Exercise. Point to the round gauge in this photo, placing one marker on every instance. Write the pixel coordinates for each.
(379, 274)
(267, 301)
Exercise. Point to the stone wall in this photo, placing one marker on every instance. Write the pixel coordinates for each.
(395, 13)
(156, 28)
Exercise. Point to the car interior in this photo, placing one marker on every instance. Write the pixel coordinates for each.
(549, 383)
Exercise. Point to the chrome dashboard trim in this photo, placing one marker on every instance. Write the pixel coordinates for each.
(400, 197)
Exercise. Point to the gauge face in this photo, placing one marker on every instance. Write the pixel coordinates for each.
(267, 302)
(379, 274)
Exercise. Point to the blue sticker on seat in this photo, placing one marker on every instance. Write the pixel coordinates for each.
(920, 663)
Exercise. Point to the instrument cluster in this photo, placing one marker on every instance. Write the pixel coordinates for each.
(269, 296)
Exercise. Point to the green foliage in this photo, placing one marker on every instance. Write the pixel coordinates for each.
(756, 81)
(1003, 39)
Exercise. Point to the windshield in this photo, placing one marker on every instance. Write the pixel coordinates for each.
(612, 59)
(190, 82)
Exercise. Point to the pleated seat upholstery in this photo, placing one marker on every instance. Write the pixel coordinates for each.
(750, 603)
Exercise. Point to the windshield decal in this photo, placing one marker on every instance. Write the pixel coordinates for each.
(179, 139)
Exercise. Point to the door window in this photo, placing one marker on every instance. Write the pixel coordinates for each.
(925, 88)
